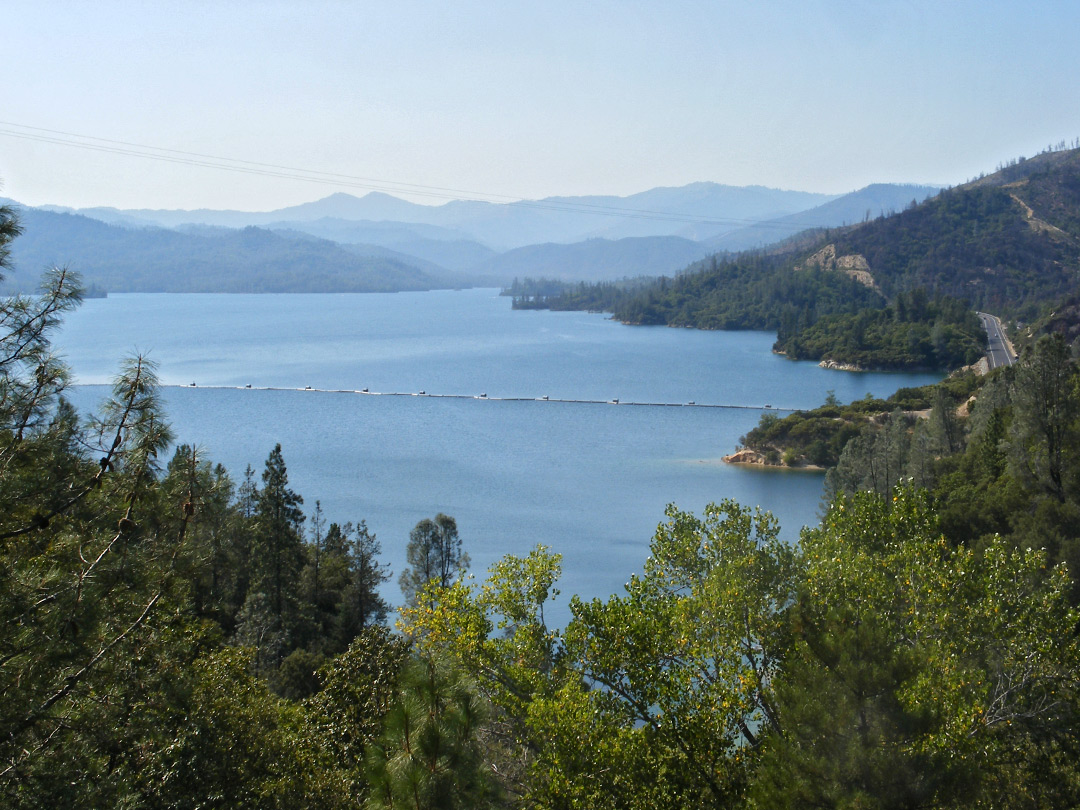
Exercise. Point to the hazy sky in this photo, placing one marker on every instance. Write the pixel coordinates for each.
(525, 99)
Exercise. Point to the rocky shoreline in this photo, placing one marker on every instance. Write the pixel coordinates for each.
(837, 366)
(752, 458)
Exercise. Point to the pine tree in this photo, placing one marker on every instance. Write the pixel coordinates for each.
(434, 555)
(1044, 434)
(92, 554)
(428, 757)
(278, 548)
(363, 606)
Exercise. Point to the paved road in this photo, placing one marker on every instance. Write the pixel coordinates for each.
(998, 353)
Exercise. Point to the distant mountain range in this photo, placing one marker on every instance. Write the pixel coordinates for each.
(1007, 243)
(379, 242)
(890, 291)
(696, 211)
(249, 259)
(858, 206)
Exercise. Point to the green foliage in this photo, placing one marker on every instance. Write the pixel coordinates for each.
(88, 562)
(818, 314)
(435, 556)
(917, 650)
(1005, 246)
(753, 291)
(119, 582)
(698, 690)
(361, 604)
(428, 755)
(227, 741)
(339, 586)
(877, 666)
(1045, 436)
(913, 333)
(460, 620)
(639, 703)
(1009, 469)
(358, 688)
(820, 436)
(972, 243)
(816, 437)
(921, 674)
(277, 552)
(545, 293)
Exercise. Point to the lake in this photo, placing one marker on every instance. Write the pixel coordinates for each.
(589, 479)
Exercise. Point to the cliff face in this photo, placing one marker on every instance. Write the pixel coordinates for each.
(853, 265)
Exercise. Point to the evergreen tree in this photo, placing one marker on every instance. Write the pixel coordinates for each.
(340, 587)
(1045, 438)
(434, 555)
(322, 583)
(224, 740)
(206, 492)
(359, 687)
(278, 547)
(260, 629)
(428, 757)
(922, 675)
(944, 425)
(362, 605)
(316, 551)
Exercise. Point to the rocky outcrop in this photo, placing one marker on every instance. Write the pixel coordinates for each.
(853, 265)
(836, 366)
(745, 456)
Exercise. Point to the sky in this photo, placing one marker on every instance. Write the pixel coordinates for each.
(510, 100)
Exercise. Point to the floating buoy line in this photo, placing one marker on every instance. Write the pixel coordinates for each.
(483, 396)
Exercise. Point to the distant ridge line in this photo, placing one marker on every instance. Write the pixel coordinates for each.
(206, 161)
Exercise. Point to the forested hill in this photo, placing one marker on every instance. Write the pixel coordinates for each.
(1008, 243)
(121, 259)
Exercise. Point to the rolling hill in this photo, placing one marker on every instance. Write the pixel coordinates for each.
(858, 206)
(354, 243)
(594, 259)
(894, 291)
(251, 259)
(695, 211)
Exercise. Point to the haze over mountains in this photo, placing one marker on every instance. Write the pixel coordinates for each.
(379, 242)
(1006, 243)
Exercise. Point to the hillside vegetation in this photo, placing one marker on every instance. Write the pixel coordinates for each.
(252, 260)
(172, 636)
(999, 453)
(1008, 243)
(400, 245)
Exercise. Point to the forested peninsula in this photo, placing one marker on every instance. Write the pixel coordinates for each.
(180, 635)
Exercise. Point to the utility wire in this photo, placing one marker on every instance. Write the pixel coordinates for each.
(219, 160)
(201, 160)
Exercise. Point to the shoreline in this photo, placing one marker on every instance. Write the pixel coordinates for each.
(746, 457)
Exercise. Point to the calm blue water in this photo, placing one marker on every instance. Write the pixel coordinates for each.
(589, 480)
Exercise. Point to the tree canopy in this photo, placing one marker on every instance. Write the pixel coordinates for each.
(170, 639)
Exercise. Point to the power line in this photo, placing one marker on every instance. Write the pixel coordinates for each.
(228, 163)
(206, 161)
